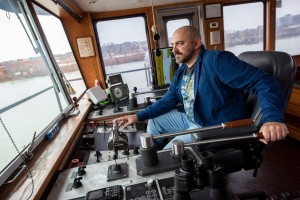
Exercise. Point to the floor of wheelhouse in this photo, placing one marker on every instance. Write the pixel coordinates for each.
(279, 172)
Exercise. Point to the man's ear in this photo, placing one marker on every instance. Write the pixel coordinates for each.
(197, 43)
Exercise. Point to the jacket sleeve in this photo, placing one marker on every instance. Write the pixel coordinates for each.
(165, 104)
(239, 74)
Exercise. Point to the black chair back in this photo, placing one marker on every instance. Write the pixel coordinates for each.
(281, 65)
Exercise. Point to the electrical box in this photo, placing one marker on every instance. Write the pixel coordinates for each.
(215, 37)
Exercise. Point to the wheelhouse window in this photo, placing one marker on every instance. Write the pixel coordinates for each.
(61, 49)
(124, 50)
(174, 24)
(288, 26)
(32, 100)
(243, 27)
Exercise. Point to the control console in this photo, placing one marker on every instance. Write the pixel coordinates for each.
(94, 184)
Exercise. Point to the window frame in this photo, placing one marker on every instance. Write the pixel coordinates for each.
(95, 21)
(264, 18)
(31, 17)
(51, 54)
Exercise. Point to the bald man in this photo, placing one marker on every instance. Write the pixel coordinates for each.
(210, 85)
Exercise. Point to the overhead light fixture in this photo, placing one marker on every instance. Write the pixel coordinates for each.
(93, 1)
(138, 1)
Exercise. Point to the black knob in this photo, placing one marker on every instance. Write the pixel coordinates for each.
(134, 89)
(156, 36)
(98, 154)
(77, 183)
(115, 157)
(135, 150)
(81, 171)
(207, 159)
(100, 111)
(126, 152)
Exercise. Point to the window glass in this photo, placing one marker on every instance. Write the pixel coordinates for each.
(172, 25)
(61, 49)
(243, 27)
(288, 26)
(31, 97)
(124, 49)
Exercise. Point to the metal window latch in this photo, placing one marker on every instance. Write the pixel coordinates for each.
(28, 153)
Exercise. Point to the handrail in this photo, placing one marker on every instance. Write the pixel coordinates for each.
(128, 71)
(30, 97)
(23, 100)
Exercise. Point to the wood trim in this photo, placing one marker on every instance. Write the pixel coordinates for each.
(47, 159)
(270, 22)
(293, 131)
(297, 60)
(90, 67)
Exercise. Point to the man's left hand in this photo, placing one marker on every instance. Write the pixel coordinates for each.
(273, 131)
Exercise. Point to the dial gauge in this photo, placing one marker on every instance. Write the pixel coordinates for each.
(118, 92)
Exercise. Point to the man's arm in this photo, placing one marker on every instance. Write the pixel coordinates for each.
(126, 120)
(242, 75)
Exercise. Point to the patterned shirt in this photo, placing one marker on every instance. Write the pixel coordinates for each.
(187, 92)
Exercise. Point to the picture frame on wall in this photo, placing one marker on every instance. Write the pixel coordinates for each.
(85, 47)
(213, 10)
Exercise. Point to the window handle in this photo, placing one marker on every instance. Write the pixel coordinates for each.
(17, 175)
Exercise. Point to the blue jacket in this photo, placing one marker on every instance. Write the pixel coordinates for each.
(220, 81)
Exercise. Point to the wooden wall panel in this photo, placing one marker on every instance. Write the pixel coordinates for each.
(208, 30)
(90, 66)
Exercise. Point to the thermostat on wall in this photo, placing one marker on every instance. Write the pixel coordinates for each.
(213, 25)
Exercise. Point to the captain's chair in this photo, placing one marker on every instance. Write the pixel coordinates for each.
(247, 153)
(281, 65)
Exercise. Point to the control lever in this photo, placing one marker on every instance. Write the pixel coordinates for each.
(255, 153)
(135, 150)
(208, 174)
(104, 127)
(98, 154)
(184, 178)
(227, 125)
(132, 101)
(100, 112)
(117, 141)
(77, 183)
(118, 108)
(81, 171)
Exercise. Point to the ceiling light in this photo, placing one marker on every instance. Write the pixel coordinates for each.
(138, 1)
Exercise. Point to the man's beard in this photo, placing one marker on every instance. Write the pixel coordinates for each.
(184, 58)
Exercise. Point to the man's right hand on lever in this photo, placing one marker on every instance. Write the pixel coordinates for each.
(126, 120)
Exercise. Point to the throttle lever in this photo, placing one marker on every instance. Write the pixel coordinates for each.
(259, 135)
(238, 123)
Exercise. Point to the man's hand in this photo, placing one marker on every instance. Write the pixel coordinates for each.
(273, 131)
(126, 120)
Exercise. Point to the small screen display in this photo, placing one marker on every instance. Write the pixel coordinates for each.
(94, 195)
(115, 79)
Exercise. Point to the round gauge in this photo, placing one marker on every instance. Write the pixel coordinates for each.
(118, 92)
